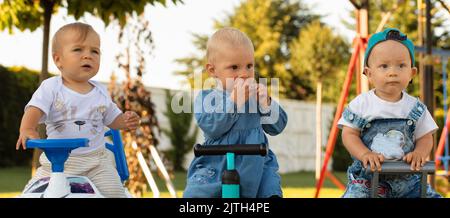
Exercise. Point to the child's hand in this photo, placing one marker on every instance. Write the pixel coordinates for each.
(132, 120)
(416, 160)
(24, 136)
(375, 160)
(263, 96)
(242, 87)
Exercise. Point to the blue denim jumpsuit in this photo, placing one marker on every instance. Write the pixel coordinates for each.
(258, 175)
(390, 186)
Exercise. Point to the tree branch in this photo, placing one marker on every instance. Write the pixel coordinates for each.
(444, 6)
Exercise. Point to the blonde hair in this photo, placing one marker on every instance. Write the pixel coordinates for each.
(81, 29)
(229, 35)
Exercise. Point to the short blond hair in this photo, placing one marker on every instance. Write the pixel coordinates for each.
(229, 35)
(79, 28)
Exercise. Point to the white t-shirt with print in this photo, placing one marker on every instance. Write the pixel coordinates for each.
(369, 106)
(69, 114)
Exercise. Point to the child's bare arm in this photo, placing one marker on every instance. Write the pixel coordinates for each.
(28, 125)
(357, 149)
(418, 157)
(128, 120)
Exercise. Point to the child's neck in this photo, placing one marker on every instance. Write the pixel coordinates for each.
(388, 96)
(80, 87)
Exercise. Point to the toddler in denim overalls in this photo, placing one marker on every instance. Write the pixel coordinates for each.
(386, 123)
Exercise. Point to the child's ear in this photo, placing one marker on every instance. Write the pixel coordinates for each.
(56, 59)
(367, 72)
(210, 69)
(413, 72)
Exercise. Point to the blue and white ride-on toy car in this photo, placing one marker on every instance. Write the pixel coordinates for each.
(59, 185)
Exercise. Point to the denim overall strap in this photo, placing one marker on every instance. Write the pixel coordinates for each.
(353, 118)
(417, 111)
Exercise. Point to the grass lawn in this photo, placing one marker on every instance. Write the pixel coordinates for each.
(13, 179)
(295, 185)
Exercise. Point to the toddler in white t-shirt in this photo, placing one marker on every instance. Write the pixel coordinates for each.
(73, 106)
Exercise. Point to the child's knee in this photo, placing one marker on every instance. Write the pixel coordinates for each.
(114, 193)
(204, 175)
(356, 192)
(358, 188)
(109, 186)
(212, 190)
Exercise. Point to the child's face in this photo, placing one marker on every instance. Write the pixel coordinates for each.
(78, 60)
(389, 68)
(232, 62)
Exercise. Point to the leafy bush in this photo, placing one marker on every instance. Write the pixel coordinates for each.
(18, 85)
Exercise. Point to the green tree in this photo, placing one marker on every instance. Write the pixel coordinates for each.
(271, 25)
(180, 127)
(194, 64)
(317, 54)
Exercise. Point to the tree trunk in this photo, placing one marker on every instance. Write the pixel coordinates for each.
(48, 11)
(318, 128)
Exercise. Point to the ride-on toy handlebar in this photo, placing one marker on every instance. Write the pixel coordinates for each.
(230, 176)
(401, 167)
(248, 149)
(57, 152)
